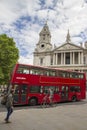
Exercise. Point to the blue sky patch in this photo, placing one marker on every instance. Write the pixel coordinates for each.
(20, 23)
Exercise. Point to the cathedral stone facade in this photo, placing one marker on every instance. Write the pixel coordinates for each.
(67, 56)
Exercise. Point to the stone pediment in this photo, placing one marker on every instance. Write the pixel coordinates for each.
(69, 46)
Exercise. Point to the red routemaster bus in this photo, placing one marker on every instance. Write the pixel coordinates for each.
(31, 82)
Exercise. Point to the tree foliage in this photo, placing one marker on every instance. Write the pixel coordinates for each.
(9, 55)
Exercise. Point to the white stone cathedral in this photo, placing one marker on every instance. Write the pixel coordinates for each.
(67, 56)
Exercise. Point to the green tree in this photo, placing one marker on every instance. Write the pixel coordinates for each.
(1, 74)
(9, 55)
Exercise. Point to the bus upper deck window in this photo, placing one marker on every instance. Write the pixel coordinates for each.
(63, 74)
(67, 75)
(31, 71)
(60, 74)
(75, 75)
(40, 72)
(46, 73)
(81, 76)
(20, 70)
(52, 73)
(26, 71)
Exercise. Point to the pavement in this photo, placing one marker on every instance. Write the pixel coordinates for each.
(63, 116)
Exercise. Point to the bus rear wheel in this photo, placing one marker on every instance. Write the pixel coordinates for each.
(33, 102)
(74, 99)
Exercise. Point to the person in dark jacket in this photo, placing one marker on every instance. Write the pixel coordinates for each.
(9, 106)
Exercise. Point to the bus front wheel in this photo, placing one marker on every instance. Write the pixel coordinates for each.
(74, 99)
(33, 102)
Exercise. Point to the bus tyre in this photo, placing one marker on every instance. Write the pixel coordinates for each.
(74, 99)
(33, 102)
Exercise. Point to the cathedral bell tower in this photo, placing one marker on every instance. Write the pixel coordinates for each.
(68, 40)
(43, 47)
(44, 43)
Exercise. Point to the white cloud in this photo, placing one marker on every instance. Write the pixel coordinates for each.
(24, 19)
(27, 60)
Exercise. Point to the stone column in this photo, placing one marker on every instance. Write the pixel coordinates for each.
(64, 58)
(82, 57)
(79, 58)
(56, 58)
(70, 57)
(61, 58)
(73, 58)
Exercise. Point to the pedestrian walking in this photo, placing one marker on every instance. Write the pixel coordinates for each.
(45, 100)
(9, 106)
(51, 94)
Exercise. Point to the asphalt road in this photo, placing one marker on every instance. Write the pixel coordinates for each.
(63, 116)
(3, 109)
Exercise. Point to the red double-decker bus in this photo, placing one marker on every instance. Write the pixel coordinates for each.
(31, 82)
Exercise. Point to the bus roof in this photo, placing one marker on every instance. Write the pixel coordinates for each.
(44, 67)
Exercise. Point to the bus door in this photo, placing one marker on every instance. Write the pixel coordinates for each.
(23, 93)
(64, 93)
(16, 94)
(20, 94)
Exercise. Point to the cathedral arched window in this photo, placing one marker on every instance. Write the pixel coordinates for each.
(41, 61)
(51, 61)
(43, 36)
